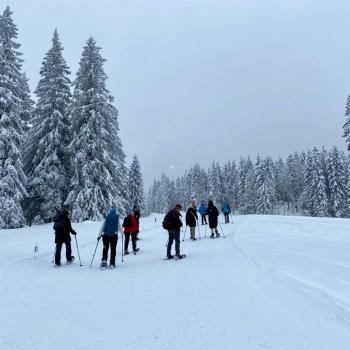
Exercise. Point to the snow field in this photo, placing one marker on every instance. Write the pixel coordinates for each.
(272, 283)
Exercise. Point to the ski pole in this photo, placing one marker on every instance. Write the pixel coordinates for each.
(76, 242)
(183, 239)
(93, 257)
(223, 235)
(122, 247)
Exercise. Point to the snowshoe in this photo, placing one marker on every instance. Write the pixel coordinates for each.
(179, 257)
(71, 260)
(212, 236)
(103, 265)
(170, 257)
(112, 266)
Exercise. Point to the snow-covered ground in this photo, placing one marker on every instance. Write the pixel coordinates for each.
(274, 282)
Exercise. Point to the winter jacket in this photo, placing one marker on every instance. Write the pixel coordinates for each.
(134, 228)
(213, 213)
(202, 209)
(226, 209)
(111, 224)
(191, 216)
(174, 219)
(63, 228)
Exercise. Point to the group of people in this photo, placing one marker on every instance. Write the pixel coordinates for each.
(172, 223)
(108, 232)
(111, 226)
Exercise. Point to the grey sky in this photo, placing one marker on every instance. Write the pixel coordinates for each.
(203, 80)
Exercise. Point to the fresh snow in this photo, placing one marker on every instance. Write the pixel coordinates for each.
(274, 282)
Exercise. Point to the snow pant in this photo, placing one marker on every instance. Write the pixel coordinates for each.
(59, 249)
(133, 240)
(227, 218)
(193, 232)
(109, 241)
(204, 219)
(173, 235)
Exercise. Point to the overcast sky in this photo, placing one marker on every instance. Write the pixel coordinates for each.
(204, 80)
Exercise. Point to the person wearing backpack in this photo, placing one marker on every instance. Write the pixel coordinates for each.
(63, 229)
(191, 219)
(131, 228)
(202, 209)
(109, 235)
(172, 223)
(213, 213)
(226, 211)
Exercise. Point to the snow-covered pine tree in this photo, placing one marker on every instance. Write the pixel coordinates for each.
(295, 180)
(346, 126)
(230, 176)
(265, 185)
(337, 182)
(47, 159)
(163, 195)
(99, 177)
(12, 177)
(283, 196)
(247, 191)
(135, 185)
(315, 193)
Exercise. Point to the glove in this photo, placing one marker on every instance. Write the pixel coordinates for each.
(99, 237)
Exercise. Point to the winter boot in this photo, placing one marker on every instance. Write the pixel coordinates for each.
(103, 265)
(212, 235)
(112, 266)
(180, 256)
(71, 260)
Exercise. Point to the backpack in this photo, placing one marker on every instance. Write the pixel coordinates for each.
(127, 221)
(167, 222)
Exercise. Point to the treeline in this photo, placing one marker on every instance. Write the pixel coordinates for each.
(65, 149)
(315, 183)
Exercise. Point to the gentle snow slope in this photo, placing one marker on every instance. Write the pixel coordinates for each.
(272, 283)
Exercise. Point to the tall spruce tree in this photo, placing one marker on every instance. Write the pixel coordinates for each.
(335, 165)
(47, 158)
(316, 201)
(99, 177)
(265, 185)
(12, 176)
(135, 185)
(346, 126)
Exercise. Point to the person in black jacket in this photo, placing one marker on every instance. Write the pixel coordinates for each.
(191, 219)
(213, 213)
(63, 229)
(174, 223)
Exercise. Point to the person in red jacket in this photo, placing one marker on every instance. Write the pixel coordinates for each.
(131, 228)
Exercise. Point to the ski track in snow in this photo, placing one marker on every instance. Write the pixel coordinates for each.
(272, 283)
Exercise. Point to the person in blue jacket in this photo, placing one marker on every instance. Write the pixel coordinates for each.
(109, 234)
(202, 209)
(226, 211)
